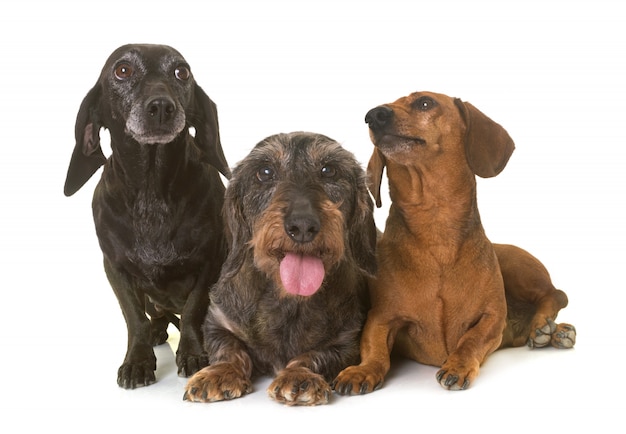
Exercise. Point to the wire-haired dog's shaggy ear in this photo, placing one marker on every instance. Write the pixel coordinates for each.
(87, 156)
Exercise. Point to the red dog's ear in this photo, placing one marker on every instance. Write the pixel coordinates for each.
(375, 169)
(488, 146)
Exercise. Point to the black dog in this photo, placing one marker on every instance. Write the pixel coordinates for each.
(292, 296)
(157, 207)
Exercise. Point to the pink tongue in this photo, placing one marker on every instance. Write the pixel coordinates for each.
(301, 274)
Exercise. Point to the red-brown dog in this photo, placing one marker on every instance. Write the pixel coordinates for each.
(444, 295)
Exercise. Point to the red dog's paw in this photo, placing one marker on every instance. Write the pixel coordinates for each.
(558, 335)
(564, 337)
(358, 380)
(457, 375)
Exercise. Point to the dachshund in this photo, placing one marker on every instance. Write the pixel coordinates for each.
(291, 299)
(157, 206)
(444, 295)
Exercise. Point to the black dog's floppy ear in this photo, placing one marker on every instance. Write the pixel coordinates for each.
(87, 156)
(375, 169)
(362, 228)
(488, 146)
(204, 120)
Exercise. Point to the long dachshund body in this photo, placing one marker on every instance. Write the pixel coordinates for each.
(444, 295)
(157, 207)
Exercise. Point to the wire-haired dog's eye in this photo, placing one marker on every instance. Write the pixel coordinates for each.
(265, 174)
(124, 71)
(328, 171)
(182, 73)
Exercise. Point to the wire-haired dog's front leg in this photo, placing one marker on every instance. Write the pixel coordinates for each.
(227, 377)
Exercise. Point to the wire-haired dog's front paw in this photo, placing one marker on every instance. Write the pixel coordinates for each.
(299, 386)
(217, 382)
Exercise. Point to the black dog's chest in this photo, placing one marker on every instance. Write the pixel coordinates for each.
(147, 238)
(156, 241)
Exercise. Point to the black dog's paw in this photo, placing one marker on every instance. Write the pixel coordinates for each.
(189, 364)
(158, 331)
(133, 375)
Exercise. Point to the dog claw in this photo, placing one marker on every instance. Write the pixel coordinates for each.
(452, 379)
(440, 375)
(347, 389)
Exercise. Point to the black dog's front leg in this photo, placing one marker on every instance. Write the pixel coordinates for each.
(140, 362)
(190, 356)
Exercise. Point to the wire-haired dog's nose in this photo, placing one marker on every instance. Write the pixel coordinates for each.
(161, 109)
(378, 117)
(301, 222)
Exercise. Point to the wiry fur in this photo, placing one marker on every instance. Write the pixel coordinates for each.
(253, 326)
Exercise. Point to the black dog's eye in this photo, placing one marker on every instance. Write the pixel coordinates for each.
(328, 171)
(424, 103)
(124, 71)
(182, 73)
(265, 174)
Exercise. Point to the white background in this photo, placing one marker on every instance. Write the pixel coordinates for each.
(551, 72)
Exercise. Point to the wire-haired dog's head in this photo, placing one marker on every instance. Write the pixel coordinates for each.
(297, 206)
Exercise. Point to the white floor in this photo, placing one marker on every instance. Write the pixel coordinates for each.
(71, 385)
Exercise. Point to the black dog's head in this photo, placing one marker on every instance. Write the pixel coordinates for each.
(146, 94)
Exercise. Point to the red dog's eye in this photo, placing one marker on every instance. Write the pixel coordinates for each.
(124, 71)
(182, 73)
(424, 103)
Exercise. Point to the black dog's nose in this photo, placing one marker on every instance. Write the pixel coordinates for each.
(378, 117)
(161, 109)
(301, 222)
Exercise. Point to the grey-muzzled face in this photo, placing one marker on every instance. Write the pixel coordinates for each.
(301, 161)
(296, 194)
(153, 85)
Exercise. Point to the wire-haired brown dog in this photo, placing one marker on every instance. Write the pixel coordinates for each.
(292, 296)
